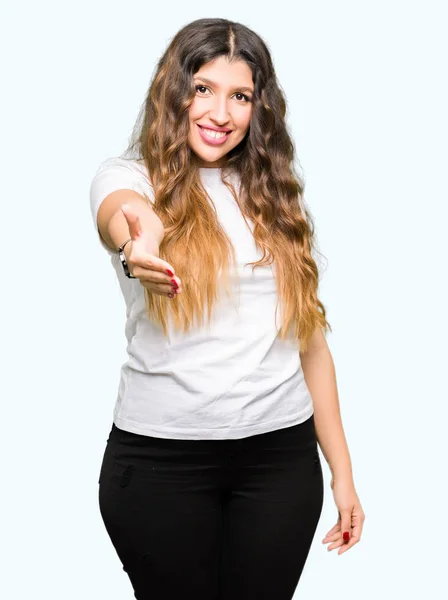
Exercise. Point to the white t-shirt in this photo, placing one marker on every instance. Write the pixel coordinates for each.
(231, 380)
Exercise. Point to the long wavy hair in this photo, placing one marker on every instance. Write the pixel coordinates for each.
(270, 192)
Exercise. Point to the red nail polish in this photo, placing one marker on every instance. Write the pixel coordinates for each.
(346, 536)
(174, 282)
(170, 273)
(170, 295)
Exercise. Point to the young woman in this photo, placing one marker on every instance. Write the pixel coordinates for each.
(211, 484)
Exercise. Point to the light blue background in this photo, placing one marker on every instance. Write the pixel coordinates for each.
(367, 103)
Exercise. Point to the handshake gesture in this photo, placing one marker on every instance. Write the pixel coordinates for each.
(142, 256)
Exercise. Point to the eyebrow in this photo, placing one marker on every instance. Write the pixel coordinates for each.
(245, 88)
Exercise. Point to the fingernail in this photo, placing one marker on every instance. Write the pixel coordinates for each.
(170, 295)
(346, 536)
(170, 273)
(174, 282)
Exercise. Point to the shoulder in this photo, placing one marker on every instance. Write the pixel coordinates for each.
(117, 172)
(123, 165)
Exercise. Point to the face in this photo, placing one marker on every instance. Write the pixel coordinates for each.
(223, 101)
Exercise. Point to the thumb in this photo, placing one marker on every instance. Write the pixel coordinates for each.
(133, 221)
(346, 524)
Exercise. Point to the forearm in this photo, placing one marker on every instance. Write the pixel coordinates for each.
(320, 377)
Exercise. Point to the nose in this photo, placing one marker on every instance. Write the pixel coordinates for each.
(219, 112)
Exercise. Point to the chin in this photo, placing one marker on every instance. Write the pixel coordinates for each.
(207, 160)
(212, 162)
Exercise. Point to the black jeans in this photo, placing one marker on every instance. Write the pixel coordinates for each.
(212, 519)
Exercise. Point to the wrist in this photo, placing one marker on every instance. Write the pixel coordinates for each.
(127, 250)
(342, 473)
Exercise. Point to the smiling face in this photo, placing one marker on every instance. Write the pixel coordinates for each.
(223, 100)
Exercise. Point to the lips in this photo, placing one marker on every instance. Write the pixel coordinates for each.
(220, 129)
(211, 140)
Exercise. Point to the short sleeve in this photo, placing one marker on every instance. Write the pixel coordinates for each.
(115, 174)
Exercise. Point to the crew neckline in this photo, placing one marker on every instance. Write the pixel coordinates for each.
(210, 172)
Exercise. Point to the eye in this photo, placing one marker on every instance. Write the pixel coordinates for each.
(246, 98)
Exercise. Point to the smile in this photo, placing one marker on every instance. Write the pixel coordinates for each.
(214, 138)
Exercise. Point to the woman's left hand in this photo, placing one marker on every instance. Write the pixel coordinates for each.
(347, 531)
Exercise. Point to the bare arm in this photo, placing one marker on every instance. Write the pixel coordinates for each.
(320, 377)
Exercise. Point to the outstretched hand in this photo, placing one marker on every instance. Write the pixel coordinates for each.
(142, 257)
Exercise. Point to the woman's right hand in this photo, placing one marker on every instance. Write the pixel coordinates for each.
(142, 256)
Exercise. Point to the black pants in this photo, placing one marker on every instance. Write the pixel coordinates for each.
(212, 519)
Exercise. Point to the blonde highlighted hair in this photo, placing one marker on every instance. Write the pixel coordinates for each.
(270, 193)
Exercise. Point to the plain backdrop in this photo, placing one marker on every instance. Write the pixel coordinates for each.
(367, 99)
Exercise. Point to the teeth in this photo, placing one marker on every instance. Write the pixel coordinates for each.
(214, 134)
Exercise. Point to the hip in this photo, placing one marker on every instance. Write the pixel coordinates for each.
(291, 448)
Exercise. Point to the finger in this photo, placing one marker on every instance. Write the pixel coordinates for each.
(176, 283)
(151, 276)
(133, 221)
(150, 262)
(334, 529)
(162, 289)
(357, 532)
(331, 538)
(346, 523)
(353, 540)
(337, 544)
